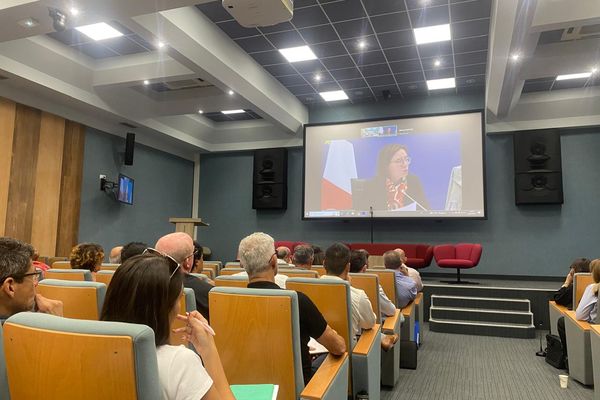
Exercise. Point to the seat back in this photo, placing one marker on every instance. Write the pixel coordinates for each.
(231, 281)
(231, 271)
(4, 393)
(298, 273)
(247, 320)
(219, 264)
(212, 269)
(49, 357)
(109, 267)
(69, 274)
(581, 280)
(81, 299)
(375, 261)
(187, 303)
(444, 252)
(469, 251)
(319, 268)
(370, 284)
(104, 276)
(61, 264)
(387, 280)
(52, 260)
(234, 264)
(332, 298)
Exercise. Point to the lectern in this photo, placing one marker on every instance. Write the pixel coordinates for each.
(187, 224)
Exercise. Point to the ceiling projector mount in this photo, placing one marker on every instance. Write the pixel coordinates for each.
(256, 13)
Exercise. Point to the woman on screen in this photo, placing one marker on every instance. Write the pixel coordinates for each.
(400, 189)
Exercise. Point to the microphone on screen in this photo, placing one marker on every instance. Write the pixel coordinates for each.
(412, 199)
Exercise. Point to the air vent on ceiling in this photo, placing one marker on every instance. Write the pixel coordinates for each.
(581, 32)
(127, 124)
(187, 84)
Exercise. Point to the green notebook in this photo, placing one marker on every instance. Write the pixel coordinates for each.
(255, 392)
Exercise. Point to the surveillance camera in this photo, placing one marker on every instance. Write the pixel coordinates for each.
(59, 19)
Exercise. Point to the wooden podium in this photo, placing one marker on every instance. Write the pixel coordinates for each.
(187, 224)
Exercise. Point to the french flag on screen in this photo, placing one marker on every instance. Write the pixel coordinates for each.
(340, 168)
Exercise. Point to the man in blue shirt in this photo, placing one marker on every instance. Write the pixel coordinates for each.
(406, 288)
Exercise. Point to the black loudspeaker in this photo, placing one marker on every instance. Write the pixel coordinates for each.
(129, 146)
(538, 167)
(269, 189)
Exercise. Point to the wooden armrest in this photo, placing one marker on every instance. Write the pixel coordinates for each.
(558, 307)
(406, 311)
(582, 324)
(367, 338)
(389, 325)
(321, 380)
(419, 298)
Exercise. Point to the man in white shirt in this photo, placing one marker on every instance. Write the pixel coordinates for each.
(284, 255)
(412, 273)
(337, 266)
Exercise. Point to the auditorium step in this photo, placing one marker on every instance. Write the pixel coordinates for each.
(481, 316)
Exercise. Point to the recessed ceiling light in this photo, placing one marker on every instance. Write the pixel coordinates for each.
(362, 44)
(160, 44)
(437, 63)
(295, 54)
(334, 95)
(74, 11)
(515, 57)
(200, 112)
(574, 76)
(146, 82)
(594, 70)
(232, 112)
(99, 31)
(29, 22)
(230, 92)
(317, 77)
(431, 34)
(436, 84)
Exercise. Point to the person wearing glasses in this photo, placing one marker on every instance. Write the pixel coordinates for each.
(400, 189)
(157, 281)
(180, 246)
(18, 281)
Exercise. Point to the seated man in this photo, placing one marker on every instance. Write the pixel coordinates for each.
(18, 281)
(257, 257)
(132, 249)
(412, 273)
(358, 264)
(406, 288)
(303, 256)
(180, 246)
(114, 256)
(284, 255)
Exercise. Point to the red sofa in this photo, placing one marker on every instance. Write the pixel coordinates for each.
(419, 255)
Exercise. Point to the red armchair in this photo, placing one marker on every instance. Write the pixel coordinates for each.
(460, 256)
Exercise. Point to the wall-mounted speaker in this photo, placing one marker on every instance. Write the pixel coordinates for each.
(538, 167)
(129, 147)
(269, 182)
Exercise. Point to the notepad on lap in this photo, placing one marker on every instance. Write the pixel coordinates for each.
(255, 392)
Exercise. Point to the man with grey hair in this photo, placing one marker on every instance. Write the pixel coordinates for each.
(114, 256)
(257, 256)
(406, 288)
(303, 256)
(284, 255)
(180, 246)
(18, 282)
(412, 273)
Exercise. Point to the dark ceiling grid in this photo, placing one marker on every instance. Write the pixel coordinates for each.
(452, 44)
(410, 24)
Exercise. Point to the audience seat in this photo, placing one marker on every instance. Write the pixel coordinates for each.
(298, 273)
(579, 349)
(332, 298)
(52, 260)
(231, 281)
(231, 271)
(211, 269)
(264, 317)
(61, 264)
(104, 276)
(460, 256)
(109, 267)
(187, 303)
(49, 357)
(419, 255)
(69, 274)
(4, 393)
(233, 264)
(595, 346)
(319, 268)
(81, 299)
(581, 280)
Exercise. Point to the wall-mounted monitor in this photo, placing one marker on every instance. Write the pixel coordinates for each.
(410, 167)
(125, 192)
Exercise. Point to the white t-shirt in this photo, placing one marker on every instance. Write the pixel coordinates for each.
(181, 373)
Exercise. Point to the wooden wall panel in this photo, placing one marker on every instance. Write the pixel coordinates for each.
(19, 213)
(47, 184)
(7, 126)
(70, 191)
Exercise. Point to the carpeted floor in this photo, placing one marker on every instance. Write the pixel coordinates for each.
(462, 367)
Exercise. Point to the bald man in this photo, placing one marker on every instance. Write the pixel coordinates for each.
(115, 255)
(180, 246)
(284, 255)
(412, 273)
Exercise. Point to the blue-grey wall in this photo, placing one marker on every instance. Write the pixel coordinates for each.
(527, 240)
(163, 189)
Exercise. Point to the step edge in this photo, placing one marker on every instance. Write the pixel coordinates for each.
(485, 310)
(435, 296)
(479, 323)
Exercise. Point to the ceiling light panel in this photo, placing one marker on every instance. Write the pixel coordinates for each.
(432, 34)
(334, 95)
(232, 112)
(436, 84)
(295, 54)
(574, 76)
(99, 31)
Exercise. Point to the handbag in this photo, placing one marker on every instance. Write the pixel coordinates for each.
(555, 354)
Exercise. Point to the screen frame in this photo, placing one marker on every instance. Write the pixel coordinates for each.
(400, 117)
(119, 188)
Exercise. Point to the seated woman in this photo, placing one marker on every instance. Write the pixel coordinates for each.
(587, 310)
(145, 290)
(87, 256)
(564, 295)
